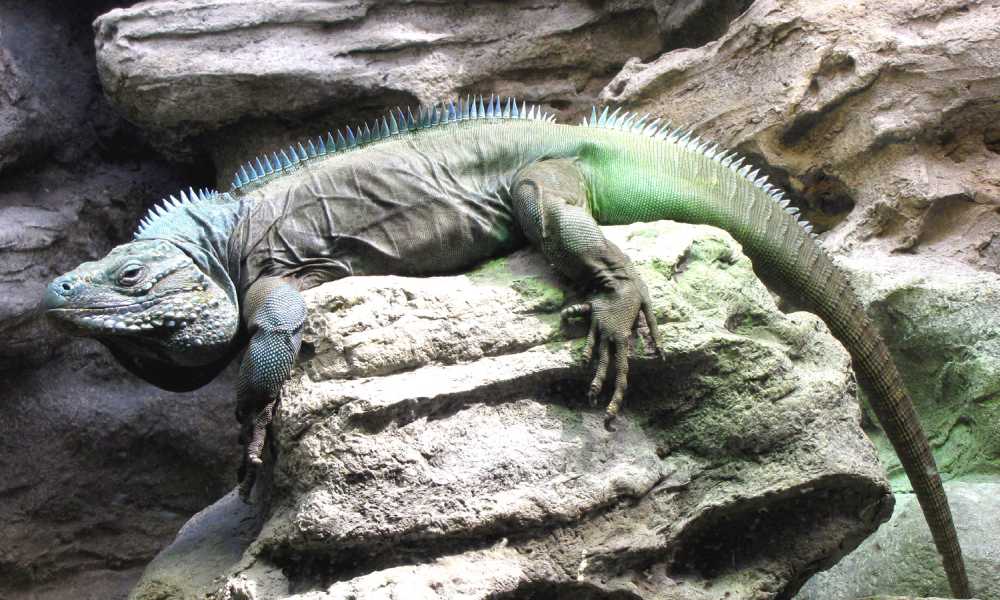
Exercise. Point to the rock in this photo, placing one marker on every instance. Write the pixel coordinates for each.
(884, 597)
(48, 83)
(171, 66)
(434, 442)
(97, 469)
(899, 558)
(210, 543)
(101, 472)
(881, 119)
(941, 320)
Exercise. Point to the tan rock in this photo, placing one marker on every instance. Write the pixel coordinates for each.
(881, 117)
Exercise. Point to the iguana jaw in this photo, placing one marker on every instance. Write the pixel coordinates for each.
(146, 294)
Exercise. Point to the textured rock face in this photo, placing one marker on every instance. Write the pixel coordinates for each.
(898, 559)
(100, 470)
(435, 443)
(183, 68)
(881, 118)
(942, 323)
(97, 470)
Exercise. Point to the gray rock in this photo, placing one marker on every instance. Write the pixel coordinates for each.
(97, 469)
(899, 558)
(48, 84)
(881, 119)
(100, 471)
(184, 68)
(434, 442)
(941, 320)
(210, 543)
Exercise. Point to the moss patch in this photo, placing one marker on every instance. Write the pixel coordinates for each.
(946, 343)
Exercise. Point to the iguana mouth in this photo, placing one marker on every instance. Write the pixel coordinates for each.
(134, 317)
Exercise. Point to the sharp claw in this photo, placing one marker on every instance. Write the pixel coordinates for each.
(609, 423)
(575, 310)
(246, 486)
(601, 372)
(588, 348)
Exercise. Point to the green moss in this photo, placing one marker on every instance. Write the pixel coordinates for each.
(663, 268)
(645, 232)
(576, 349)
(710, 250)
(495, 271)
(546, 297)
(542, 295)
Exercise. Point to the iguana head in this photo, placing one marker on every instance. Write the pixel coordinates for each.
(161, 316)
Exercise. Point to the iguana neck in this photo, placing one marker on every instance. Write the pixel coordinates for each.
(202, 229)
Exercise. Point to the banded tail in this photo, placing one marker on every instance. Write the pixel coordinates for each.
(679, 177)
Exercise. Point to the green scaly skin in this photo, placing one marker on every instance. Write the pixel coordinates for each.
(214, 273)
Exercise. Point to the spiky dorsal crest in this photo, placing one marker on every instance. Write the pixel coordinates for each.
(396, 122)
(161, 214)
(633, 123)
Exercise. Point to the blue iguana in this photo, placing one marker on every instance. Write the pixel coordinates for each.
(210, 274)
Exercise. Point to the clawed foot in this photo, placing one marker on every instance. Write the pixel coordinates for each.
(253, 434)
(614, 316)
(249, 472)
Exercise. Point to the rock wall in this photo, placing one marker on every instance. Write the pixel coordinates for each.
(880, 120)
(97, 470)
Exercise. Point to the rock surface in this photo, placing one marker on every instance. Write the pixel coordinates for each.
(898, 559)
(184, 68)
(97, 470)
(434, 443)
(880, 118)
(100, 472)
(941, 320)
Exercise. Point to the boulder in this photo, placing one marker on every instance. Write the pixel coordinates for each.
(941, 320)
(183, 68)
(899, 558)
(435, 442)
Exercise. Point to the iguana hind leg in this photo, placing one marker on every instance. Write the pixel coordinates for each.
(274, 312)
(550, 201)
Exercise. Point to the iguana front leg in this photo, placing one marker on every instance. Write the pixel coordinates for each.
(274, 312)
(550, 201)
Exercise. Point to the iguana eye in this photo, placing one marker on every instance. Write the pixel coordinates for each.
(130, 275)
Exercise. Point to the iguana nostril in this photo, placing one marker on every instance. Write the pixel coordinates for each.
(56, 296)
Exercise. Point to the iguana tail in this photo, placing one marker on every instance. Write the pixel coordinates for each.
(678, 177)
(827, 290)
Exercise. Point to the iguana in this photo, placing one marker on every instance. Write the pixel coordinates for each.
(209, 274)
